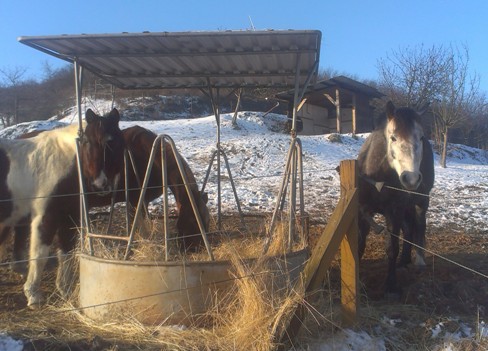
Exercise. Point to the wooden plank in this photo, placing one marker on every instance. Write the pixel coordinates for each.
(328, 244)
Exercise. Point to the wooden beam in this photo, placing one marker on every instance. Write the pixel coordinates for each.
(354, 125)
(332, 100)
(328, 244)
(300, 105)
(338, 112)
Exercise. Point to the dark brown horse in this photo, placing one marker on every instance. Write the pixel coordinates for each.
(396, 166)
(39, 186)
(139, 141)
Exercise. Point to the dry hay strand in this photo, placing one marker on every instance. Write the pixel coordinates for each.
(254, 312)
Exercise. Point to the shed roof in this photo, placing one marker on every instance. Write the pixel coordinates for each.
(342, 82)
(190, 59)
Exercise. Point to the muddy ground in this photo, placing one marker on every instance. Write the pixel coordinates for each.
(442, 292)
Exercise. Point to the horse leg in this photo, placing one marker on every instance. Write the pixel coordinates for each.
(408, 227)
(4, 233)
(67, 234)
(392, 250)
(21, 237)
(364, 227)
(419, 233)
(40, 243)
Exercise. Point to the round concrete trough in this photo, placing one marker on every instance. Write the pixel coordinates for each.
(166, 292)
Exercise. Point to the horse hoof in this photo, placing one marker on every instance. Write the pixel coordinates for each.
(34, 306)
(34, 302)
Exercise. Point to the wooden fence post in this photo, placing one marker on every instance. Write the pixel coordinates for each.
(341, 232)
(349, 249)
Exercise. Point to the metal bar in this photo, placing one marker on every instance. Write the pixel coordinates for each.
(214, 154)
(293, 199)
(127, 154)
(241, 215)
(295, 96)
(105, 236)
(138, 178)
(214, 102)
(83, 210)
(141, 197)
(164, 177)
(78, 91)
(284, 181)
(182, 170)
(300, 186)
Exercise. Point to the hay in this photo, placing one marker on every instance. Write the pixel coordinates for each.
(148, 244)
(246, 318)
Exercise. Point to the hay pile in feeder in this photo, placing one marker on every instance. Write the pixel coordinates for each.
(148, 243)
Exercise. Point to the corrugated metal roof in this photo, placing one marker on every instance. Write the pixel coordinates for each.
(190, 59)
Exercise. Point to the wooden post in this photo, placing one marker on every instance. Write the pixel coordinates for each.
(354, 124)
(338, 112)
(349, 250)
(341, 232)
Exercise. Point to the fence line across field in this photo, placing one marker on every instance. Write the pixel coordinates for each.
(3, 264)
(157, 186)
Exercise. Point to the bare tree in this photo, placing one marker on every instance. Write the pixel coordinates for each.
(458, 98)
(11, 79)
(413, 76)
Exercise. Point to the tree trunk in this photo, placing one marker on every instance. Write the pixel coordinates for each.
(444, 148)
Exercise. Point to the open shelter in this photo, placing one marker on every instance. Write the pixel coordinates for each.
(209, 61)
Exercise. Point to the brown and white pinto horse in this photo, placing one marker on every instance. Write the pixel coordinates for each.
(397, 155)
(39, 185)
(140, 141)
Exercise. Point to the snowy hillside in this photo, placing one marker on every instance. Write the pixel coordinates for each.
(257, 150)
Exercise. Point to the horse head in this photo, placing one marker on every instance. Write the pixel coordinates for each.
(404, 137)
(187, 224)
(102, 151)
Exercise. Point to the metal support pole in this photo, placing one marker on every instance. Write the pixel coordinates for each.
(84, 219)
(215, 101)
(164, 177)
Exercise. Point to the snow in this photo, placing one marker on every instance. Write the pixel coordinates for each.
(257, 151)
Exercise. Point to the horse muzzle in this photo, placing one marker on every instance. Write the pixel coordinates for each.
(411, 180)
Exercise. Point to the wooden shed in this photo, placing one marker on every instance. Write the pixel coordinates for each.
(336, 105)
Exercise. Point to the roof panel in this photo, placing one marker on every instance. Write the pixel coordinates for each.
(190, 59)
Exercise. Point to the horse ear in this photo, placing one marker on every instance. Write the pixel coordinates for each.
(115, 115)
(390, 110)
(90, 116)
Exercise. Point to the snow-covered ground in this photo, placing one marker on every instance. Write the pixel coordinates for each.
(256, 151)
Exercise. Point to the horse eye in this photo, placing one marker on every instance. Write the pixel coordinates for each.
(393, 139)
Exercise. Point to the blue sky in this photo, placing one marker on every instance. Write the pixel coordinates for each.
(355, 34)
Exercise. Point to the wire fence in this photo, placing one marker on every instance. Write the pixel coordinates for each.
(431, 252)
